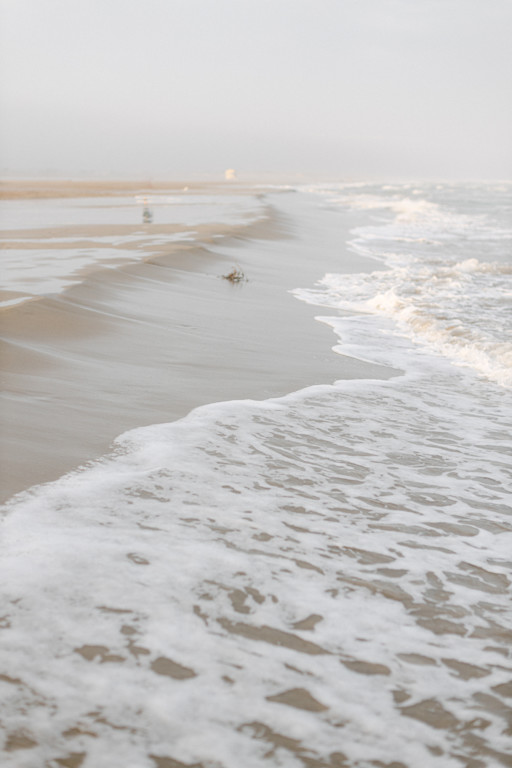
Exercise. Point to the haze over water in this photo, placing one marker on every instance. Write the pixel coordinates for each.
(168, 88)
(264, 523)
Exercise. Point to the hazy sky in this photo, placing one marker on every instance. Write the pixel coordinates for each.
(387, 88)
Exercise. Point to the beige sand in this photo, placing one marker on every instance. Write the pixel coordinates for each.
(19, 189)
(149, 341)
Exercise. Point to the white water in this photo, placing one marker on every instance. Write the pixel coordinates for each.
(319, 580)
(447, 269)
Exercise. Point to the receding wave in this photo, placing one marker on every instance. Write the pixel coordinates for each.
(439, 282)
(318, 580)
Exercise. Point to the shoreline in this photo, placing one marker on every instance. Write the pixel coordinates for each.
(31, 189)
(148, 341)
(338, 557)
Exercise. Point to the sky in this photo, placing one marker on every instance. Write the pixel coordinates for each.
(187, 88)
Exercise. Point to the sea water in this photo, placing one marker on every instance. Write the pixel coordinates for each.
(49, 245)
(176, 208)
(317, 580)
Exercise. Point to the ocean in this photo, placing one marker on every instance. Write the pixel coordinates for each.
(53, 262)
(316, 580)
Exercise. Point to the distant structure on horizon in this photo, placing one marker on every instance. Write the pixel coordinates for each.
(230, 174)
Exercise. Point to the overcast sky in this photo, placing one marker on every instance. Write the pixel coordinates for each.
(337, 88)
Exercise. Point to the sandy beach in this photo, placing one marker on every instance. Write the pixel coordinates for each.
(260, 522)
(146, 342)
(39, 189)
(256, 365)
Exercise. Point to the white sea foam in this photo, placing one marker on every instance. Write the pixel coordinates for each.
(317, 580)
(458, 307)
(326, 573)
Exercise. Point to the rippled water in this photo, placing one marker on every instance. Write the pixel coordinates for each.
(447, 268)
(321, 580)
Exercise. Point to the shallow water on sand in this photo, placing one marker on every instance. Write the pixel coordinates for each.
(173, 208)
(50, 245)
(320, 580)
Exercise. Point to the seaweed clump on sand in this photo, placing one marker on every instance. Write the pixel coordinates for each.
(235, 276)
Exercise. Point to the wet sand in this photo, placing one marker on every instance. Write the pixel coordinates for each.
(322, 582)
(149, 341)
(29, 189)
